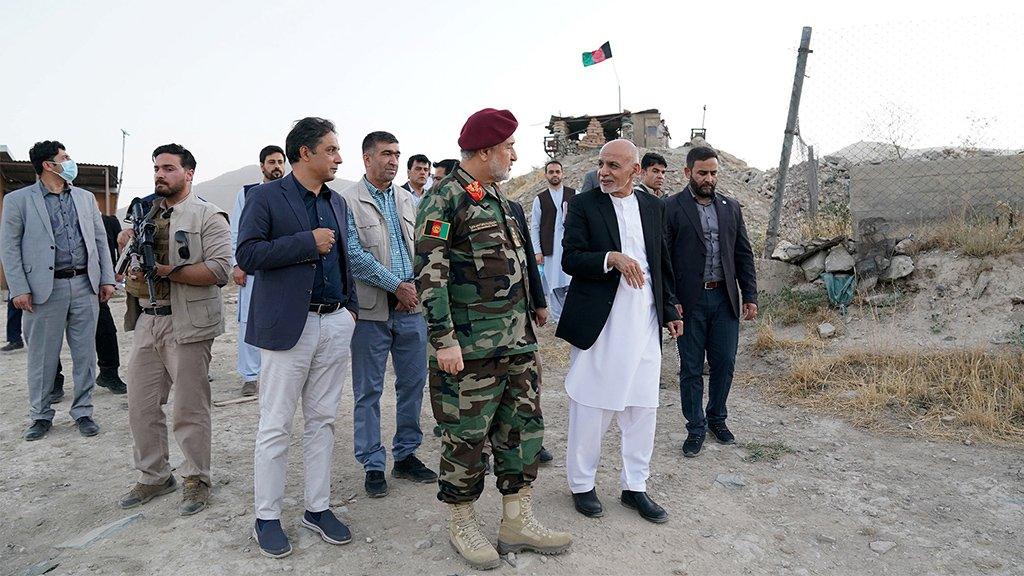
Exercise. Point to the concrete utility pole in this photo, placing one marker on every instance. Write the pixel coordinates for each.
(772, 235)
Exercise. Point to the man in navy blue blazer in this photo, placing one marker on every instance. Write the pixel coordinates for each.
(303, 310)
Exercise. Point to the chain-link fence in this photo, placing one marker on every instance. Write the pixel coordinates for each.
(903, 128)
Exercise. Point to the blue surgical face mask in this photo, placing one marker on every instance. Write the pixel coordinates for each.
(69, 170)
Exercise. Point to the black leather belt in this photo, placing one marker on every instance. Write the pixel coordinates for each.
(158, 311)
(324, 308)
(713, 285)
(69, 273)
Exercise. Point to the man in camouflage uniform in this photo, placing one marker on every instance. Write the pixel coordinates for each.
(471, 269)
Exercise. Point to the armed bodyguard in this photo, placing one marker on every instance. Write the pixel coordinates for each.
(471, 271)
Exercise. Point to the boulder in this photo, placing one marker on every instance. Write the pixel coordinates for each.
(907, 247)
(839, 260)
(899, 267)
(786, 251)
(774, 276)
(814, 266)
(826, 330)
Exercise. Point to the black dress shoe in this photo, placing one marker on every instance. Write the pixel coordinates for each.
(411, 468)
(87, 427)
(375, 484)
(587, 504)
(643, 504)
(721, 433)
(12, 346)
(110, 380)
(37, 430)
(692, 445)
(544, 456)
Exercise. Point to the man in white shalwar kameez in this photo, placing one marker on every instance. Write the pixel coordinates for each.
(547, 224)
(619, 299)
(248, 363)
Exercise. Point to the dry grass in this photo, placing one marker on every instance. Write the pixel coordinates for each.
(829, 224)
(950, 393)
(766, 339)
(975, 235)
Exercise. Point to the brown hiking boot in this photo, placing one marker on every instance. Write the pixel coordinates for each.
(520, 530)
(194, 496)
(142, 493)
(250, 387)
(467, 539)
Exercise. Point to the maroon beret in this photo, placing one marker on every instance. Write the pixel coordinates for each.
(487, 128)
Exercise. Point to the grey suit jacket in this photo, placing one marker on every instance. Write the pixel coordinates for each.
(27, 245)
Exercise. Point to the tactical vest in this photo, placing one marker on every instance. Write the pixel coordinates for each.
(161, 247)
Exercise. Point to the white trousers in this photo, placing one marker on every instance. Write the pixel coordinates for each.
(588, 425)
(314, 371)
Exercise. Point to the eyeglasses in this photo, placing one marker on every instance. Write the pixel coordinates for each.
(181, 237)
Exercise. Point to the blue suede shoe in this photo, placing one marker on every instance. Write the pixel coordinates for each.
(271, 538)
(327, 526)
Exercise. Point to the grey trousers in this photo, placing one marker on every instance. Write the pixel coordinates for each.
(70, 311)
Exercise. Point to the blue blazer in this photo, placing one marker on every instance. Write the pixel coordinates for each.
(275, 243)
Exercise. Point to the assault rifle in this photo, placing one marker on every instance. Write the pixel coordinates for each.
(138, 255)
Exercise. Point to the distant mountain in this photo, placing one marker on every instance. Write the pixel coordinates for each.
(222, 189)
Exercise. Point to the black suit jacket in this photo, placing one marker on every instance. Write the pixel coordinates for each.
(275, 243)
(686, 243)
(591, 231)
(537, 299)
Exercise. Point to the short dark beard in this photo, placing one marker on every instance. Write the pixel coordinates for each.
(697, 191)
(270, 177)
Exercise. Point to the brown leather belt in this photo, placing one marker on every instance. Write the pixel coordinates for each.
(158, 311)
(712, 285)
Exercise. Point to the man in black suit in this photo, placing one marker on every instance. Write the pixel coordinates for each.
(619, 299)
(711, 254)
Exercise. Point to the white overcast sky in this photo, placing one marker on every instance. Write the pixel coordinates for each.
(225, 78)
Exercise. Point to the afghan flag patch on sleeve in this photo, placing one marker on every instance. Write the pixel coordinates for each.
(436, 229)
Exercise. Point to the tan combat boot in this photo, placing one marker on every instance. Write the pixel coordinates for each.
(520, 530)
(467, 539)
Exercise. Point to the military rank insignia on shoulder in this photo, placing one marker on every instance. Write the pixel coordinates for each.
(475, 190)
(436, 229)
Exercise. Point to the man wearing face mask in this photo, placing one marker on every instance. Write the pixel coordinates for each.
(248, 365)
(714, 267)
(59, 269)
(174, 332)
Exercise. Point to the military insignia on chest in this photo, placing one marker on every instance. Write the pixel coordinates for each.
(478, 226)
(436, 229)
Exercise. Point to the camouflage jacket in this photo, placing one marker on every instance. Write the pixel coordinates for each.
(471, 271)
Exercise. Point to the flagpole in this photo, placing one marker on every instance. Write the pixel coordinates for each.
(617, 84)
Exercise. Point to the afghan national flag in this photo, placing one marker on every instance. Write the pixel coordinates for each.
(600, 55)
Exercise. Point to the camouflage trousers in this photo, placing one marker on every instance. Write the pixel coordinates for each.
(496, 399)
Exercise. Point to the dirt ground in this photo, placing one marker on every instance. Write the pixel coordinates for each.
(845, 501)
